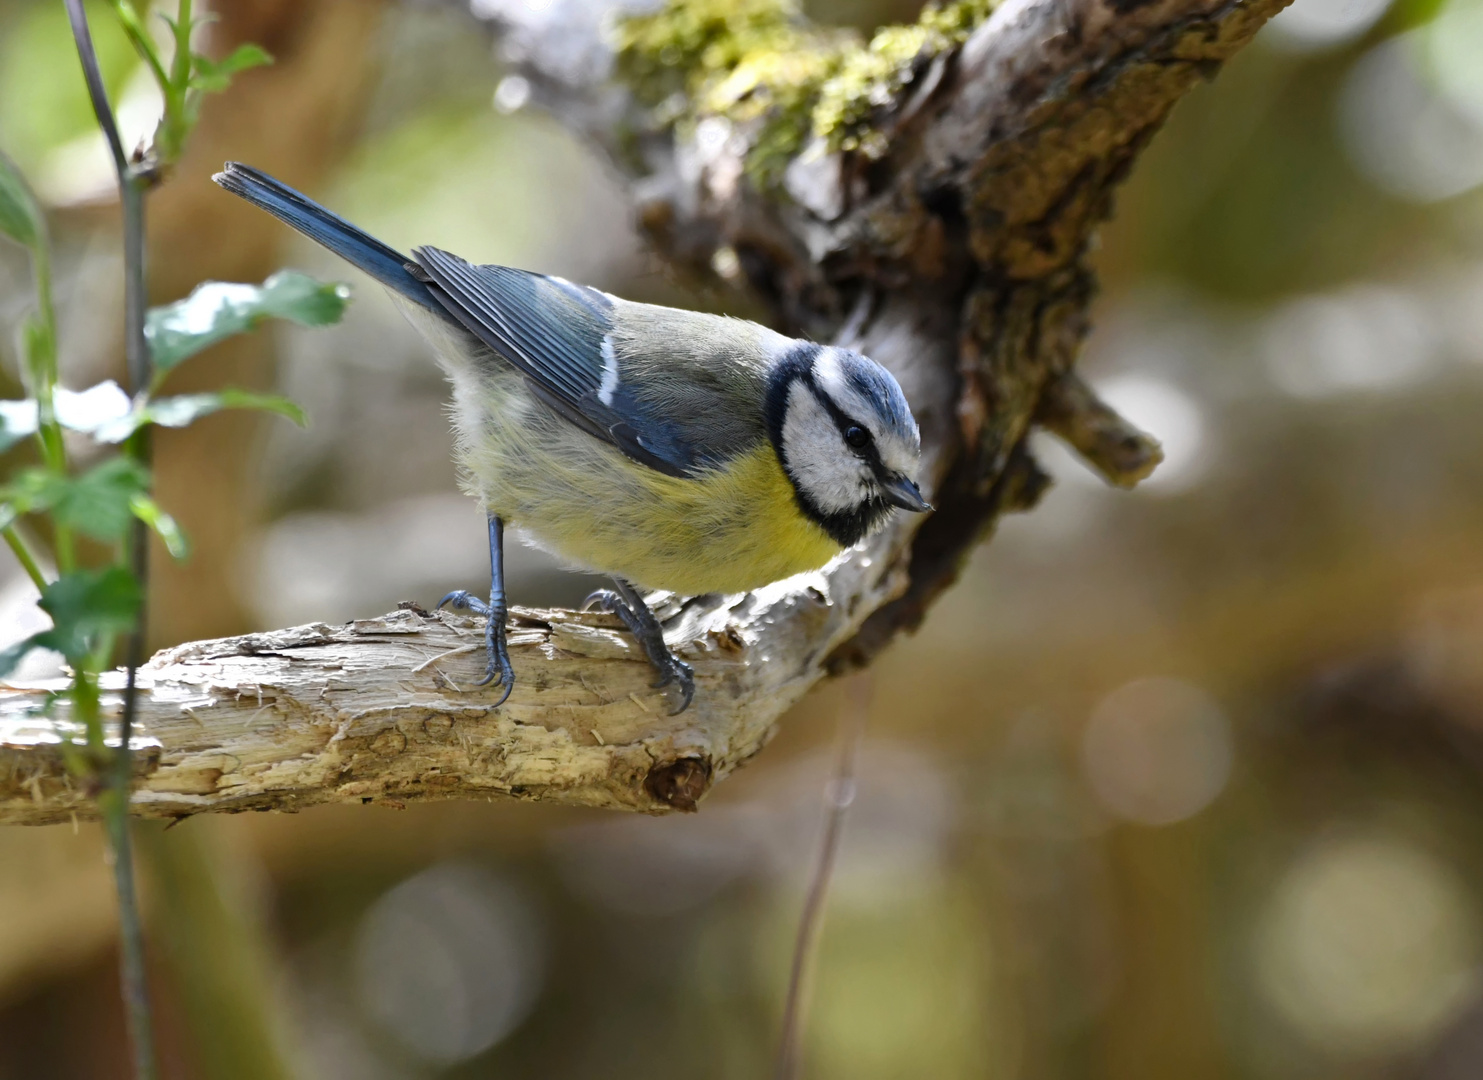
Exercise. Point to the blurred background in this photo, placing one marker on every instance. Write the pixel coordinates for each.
(1185, 783)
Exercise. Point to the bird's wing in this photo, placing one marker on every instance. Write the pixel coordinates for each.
(557, 335)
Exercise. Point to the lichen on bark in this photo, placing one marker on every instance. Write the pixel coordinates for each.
(780, 79)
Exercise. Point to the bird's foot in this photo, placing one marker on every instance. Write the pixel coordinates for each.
(463, 600)
(640, 621)
(498, 670)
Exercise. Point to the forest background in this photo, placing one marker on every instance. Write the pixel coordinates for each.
(1176, 783)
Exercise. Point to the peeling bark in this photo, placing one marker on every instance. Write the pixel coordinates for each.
(957, 258)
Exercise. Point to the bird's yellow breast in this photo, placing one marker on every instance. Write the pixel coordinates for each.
(729, 529)
(734, 528)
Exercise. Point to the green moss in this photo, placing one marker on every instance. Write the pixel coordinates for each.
(690, 45)
(754, 62)
(760, 64)
(871, 77)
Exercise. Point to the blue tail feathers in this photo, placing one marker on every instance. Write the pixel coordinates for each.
(385, 264)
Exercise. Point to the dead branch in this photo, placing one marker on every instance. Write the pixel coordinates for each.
(955, 254)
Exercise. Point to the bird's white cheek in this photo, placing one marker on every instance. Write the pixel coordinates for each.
(900, 456)
(822, 466)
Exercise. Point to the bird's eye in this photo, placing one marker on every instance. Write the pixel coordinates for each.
(857, 437)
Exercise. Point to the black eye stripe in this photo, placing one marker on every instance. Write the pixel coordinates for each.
(869, 452)
(840, 418)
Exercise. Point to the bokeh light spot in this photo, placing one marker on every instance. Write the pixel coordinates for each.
(1368, 945)
(1157, 751)
(1454, 46)
(449, 962)
(1402, 132)
(1364, 338)
(512, 94)
(1319, 24)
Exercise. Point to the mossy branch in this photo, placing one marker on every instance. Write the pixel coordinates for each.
(946, 234)
(759, 63)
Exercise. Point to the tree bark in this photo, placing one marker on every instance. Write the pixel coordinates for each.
(955, 254)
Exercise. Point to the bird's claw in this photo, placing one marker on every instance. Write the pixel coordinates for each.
(642, 624)
(498, 671)
(463, 600)
(677, 671)
(605, 600)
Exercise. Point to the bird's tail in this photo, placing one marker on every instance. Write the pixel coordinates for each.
(385, 264)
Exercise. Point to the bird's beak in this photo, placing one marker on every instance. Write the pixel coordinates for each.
(899, 491)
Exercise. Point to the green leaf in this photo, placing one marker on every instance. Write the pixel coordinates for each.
(133, 27)
(97, 503)
(33, 490)
(149, 512)
(93, 601)
(85, 603)
(212, 75)
(93, 408)
(196, 21)
(82, 605)
(18, 419)
(20, 217)
(218, 310)
(188, 408)
(10, 658)
(185, 409)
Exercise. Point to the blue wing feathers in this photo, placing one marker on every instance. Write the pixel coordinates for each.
(549, 329)
(553, 331)
(385, 264)
(563, 352)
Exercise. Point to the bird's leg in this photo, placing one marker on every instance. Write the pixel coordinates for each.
(498, 671)
(628, 605)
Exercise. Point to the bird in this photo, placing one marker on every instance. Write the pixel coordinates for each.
(668, 449)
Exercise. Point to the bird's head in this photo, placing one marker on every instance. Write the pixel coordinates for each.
(846, 439)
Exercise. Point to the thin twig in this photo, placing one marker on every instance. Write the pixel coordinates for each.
(837, 799)
(93, 75)
(135, 984)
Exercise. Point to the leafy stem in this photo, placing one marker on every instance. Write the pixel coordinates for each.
(179, 116)
(92, 607)
(134, 29)
(41, 356)
(17, 545)
(188, 76)
(115, 805)
(180, 69)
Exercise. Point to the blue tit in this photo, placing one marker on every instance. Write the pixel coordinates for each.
(669, 449)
